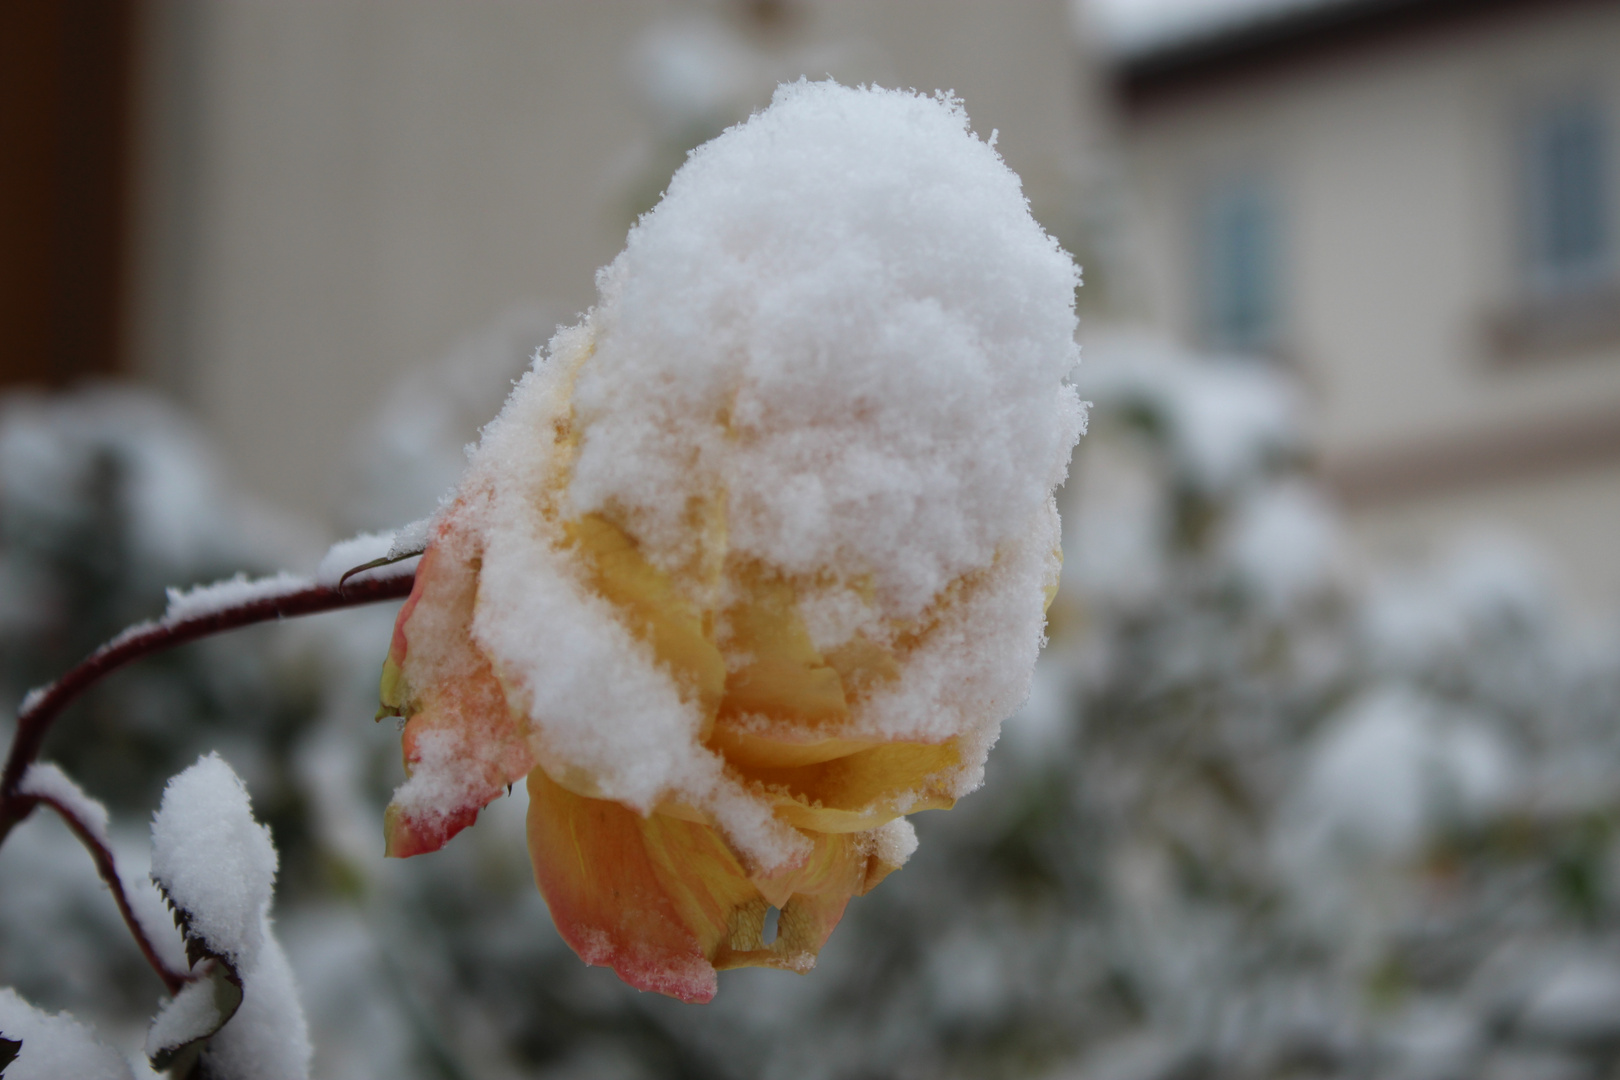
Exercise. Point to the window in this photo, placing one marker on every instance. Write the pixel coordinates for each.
(1238, 265)
(1569, 232)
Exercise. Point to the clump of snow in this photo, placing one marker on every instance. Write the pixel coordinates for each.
(54, 1047)
(1285, 543)
(31, 700)
(1391, 771)
(895, 842)
(44, 780)
(1578, 1002)
(213, 860)
(196, 1012)
(268, 1037)
(1392, 766)
(409, 539)
(201, 601)
(217, 866)
(838, 350)
(1225, 419)
(357, 551)
(1483, 581)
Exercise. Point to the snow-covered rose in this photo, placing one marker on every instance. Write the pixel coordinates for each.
(755, 559)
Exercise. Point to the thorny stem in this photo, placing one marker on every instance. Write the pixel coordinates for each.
(40, 709)
(108, 869)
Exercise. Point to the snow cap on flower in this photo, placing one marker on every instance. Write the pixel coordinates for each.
(755, 560)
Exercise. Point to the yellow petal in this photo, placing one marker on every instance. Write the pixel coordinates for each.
(653, 609)
(756, 747)
(783, 676)
(865, 789)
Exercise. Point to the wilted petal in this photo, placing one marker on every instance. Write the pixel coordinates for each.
(462, 744)
(611, 903)
(664, 900)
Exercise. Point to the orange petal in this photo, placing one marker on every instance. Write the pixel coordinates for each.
(666, 903)
(606, 896)
(450, 696)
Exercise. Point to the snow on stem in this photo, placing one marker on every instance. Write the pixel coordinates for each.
(191, 616)
(87, 819)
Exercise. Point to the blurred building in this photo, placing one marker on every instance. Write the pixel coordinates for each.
(1416, 204)
(325, 194)
(273, 210)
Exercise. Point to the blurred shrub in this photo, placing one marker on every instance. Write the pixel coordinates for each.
(1266, 813)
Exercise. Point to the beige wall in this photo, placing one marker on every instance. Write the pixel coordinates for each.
(336, 190)
(1395, 170)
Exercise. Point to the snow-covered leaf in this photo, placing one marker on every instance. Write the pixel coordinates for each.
(193, 1015)
(216, 865)
(37, 1045)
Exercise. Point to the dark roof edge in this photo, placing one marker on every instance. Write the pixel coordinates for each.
(1294, 37)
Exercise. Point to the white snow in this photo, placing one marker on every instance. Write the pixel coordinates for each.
(345, 555)
(268, 1038)
(1392, 767)
(895, 842)
(1578, 1002)
(54, 1046)
(44, 780)
(218, 865)
(841, 343)
(1285, 543)
(203, 600)
(1482, 578)
(1225, 417)
(194, 1013)
(213, 860)
(409, 539)
(843, 313)
(32, 699)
